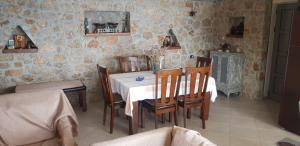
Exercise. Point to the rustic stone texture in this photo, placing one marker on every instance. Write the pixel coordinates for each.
(6, 58)
(147, 35)
(27, 78)
(253, 46)
(29, 21)
(13, 73)
(93, 44)
(59, 58)
(18, 64)
(4, 65)
(112, 40)
(57, 29)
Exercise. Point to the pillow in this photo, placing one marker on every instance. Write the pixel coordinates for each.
(186, 137)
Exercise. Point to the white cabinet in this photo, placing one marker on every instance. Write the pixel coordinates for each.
(227, 69)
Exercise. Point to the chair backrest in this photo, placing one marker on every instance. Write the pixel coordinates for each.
(134, 63)
(196, 77)
(203, 61)
(105, 84)
(128, 64)
(162, 78)
(144, 62)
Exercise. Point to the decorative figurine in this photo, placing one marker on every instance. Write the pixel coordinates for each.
(19, 41)
(86, 27)
(174, 42)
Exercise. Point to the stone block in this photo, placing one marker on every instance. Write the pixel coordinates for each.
(18, 64)
(147, 35)
(4, 65)
(93, 44)
(112, 40)
(13, 73)
(6, 58)
(59, 58)
(27, 78)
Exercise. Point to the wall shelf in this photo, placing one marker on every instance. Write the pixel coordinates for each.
(29, 46)
(107, 34)
(174, 48)
(24, 50)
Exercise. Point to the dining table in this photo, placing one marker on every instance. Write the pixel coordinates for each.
(133, 91)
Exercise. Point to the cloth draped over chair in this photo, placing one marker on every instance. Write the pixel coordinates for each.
(36, 117)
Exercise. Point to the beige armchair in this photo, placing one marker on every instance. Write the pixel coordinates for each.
(167, 136)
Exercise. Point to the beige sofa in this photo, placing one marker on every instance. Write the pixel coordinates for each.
(168, 136)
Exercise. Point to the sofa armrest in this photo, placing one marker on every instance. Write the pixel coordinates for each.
(157, 137)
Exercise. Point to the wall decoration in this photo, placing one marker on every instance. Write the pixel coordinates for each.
(106, 23)
(237, 27)
(20, 42)
(171, 41)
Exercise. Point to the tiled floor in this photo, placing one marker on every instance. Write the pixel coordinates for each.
(234, 122)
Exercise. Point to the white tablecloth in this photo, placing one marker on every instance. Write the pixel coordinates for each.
(131, 90)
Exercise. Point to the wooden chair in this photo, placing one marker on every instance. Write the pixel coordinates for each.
(134, 63)
(203, 61)
(144, 63)
(113, 100)
(164, 104)
(195, 77)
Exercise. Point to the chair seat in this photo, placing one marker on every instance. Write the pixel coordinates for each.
(150, 104)
(118, 99)
(181, 101)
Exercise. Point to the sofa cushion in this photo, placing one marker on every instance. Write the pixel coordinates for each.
(186, 137)
(157, 137)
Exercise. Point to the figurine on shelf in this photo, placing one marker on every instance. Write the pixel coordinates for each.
(225, 47)
(19, 41)
(174, 42)
(167, 41)
(11, 44)
(86, 27)
(30, 45)
(171, 40)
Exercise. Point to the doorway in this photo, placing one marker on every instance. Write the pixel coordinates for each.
(284, 18)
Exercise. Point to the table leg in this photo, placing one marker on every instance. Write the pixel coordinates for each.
(206, 106)
(189, 113)
(134, 120)
(82, 98)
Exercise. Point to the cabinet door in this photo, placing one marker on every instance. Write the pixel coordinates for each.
(215, 67)
(224, 70)
(296, 30)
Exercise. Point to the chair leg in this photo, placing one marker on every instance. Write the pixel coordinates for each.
(170, 117)
(112, 118)
(163, 118)
(82, 98)
(202, 117)
(184, 117)
(155, 121)
(175, 117)
(117, 113)
(189, 113)
(104, 113)
(203, 123)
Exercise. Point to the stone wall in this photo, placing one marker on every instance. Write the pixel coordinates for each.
(254, 44)
(66, 53)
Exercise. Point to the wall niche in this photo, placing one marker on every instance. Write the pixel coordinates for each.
(236, 27)
(97, 23)
(20, 42)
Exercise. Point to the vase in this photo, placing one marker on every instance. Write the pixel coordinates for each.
(155, 67)
(159, 64)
